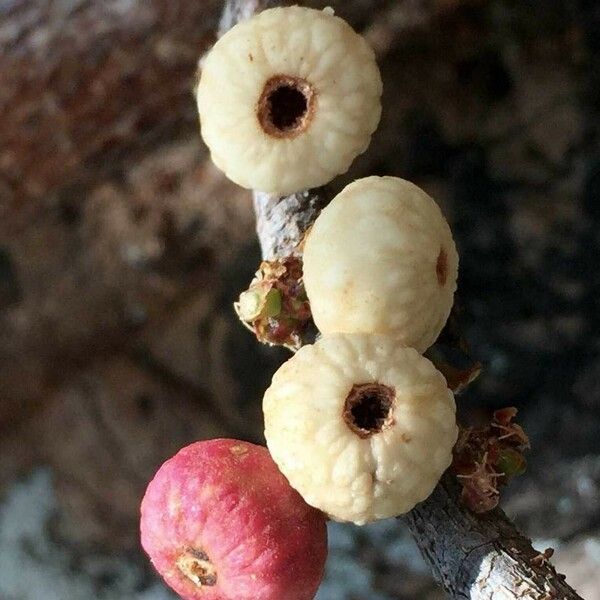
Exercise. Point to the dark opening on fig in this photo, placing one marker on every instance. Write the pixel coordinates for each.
(441, 267)
(286, 106)
(369, 408)
(197, 567)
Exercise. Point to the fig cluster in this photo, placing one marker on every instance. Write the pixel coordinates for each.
(359, 425)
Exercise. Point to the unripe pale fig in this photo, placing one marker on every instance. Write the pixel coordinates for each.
(220, 522)
(361, 426)
(288, 99)
(380, 258)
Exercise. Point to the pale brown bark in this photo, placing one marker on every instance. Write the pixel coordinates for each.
(481, 557)
(83, 82)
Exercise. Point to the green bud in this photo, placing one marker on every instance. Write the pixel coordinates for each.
(511, 462)
(272, 303)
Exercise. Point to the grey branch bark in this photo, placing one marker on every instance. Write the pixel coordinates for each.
(481, 557)
(278, 234)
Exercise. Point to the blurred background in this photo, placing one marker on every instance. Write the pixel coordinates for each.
(122, 249)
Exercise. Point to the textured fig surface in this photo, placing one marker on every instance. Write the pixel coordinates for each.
(361, 426)
(380, 258)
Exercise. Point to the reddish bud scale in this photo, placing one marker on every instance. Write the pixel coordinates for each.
(485, 459)
(220, 522)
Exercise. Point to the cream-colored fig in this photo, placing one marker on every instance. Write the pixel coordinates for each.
(360, 425)
(381, 259)
(288, 99)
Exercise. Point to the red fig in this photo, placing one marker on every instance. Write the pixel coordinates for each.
(220, 522)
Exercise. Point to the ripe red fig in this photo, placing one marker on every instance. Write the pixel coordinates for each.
(220, 522)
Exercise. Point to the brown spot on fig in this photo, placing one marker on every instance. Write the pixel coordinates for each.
(286, 106)
(196, 566)
(369, 408)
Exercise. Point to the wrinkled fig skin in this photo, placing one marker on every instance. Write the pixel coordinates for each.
(220, 522)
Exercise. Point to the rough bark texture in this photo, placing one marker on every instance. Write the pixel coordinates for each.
(81, 78)
(480, 557)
